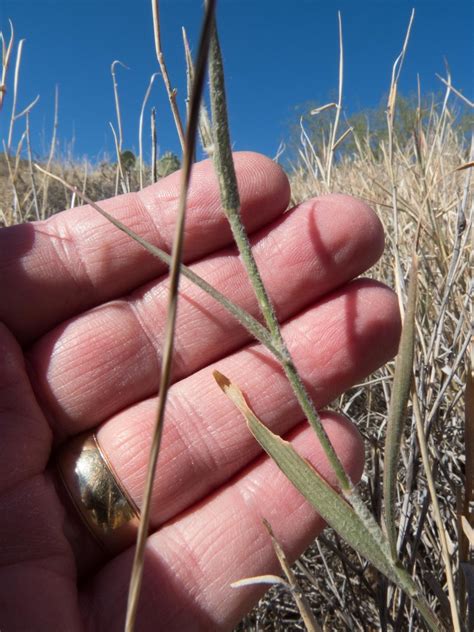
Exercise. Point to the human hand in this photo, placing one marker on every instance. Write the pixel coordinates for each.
(84, 307)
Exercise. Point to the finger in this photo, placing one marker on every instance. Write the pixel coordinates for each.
(191, 562)
(36, 560)
(25, 434)
(77, 259)
(117, 348)
(37, 568)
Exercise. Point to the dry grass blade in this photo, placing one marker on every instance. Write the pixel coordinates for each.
(467, 165)
(391, 105)
(398, 404)
(456, 92)
(15, 92)
(437, 516)
(303, 606)
(466, 518)
(120, 177)
(118, 137)
(16, 211)
(140, 127)
(164, 72)
(269, 580)
(334, 143)
(34, 188)
(139, 558)
(327, 502)
(469, 442)
(6, 53)
(117, 99)
(205, 131)
(154, 152)
(52, 149)
(468, 531)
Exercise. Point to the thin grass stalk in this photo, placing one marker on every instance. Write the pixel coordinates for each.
(342, 138)
(84, 181)
(120, 178)
(456, 92)
(30, 168)
(205, 132)
(425, 168)
(15, 92)
(314, 158)
(140, 128)
(191, 132)
(6, 54)
(304, 608)
(154, 166)
(118, 138)
(189, 69)
(224, 166)
(467, 495)
(117, 100)
(16, 214)
(329, 574)
(332, 144)
(28, 108)
(437, 514)
(52, 149)
(171, 92)
(391, 106)
(440, 126)
(291, 584)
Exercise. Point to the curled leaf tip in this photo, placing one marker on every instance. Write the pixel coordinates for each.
(222, 380)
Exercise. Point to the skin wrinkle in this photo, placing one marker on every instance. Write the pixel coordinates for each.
(182, 554)
(64, 247)
(91, 243)
(201, 435)
(151, 334)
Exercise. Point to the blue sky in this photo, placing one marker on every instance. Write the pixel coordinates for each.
(278, 54)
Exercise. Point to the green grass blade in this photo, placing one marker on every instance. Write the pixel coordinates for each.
(224, 165)
(398, 404)
(327, 502)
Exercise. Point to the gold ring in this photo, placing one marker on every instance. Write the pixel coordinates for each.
(95, 490)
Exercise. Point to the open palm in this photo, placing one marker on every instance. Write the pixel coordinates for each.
(83, 311)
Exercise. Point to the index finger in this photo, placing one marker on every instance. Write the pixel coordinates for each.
(75, 260)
